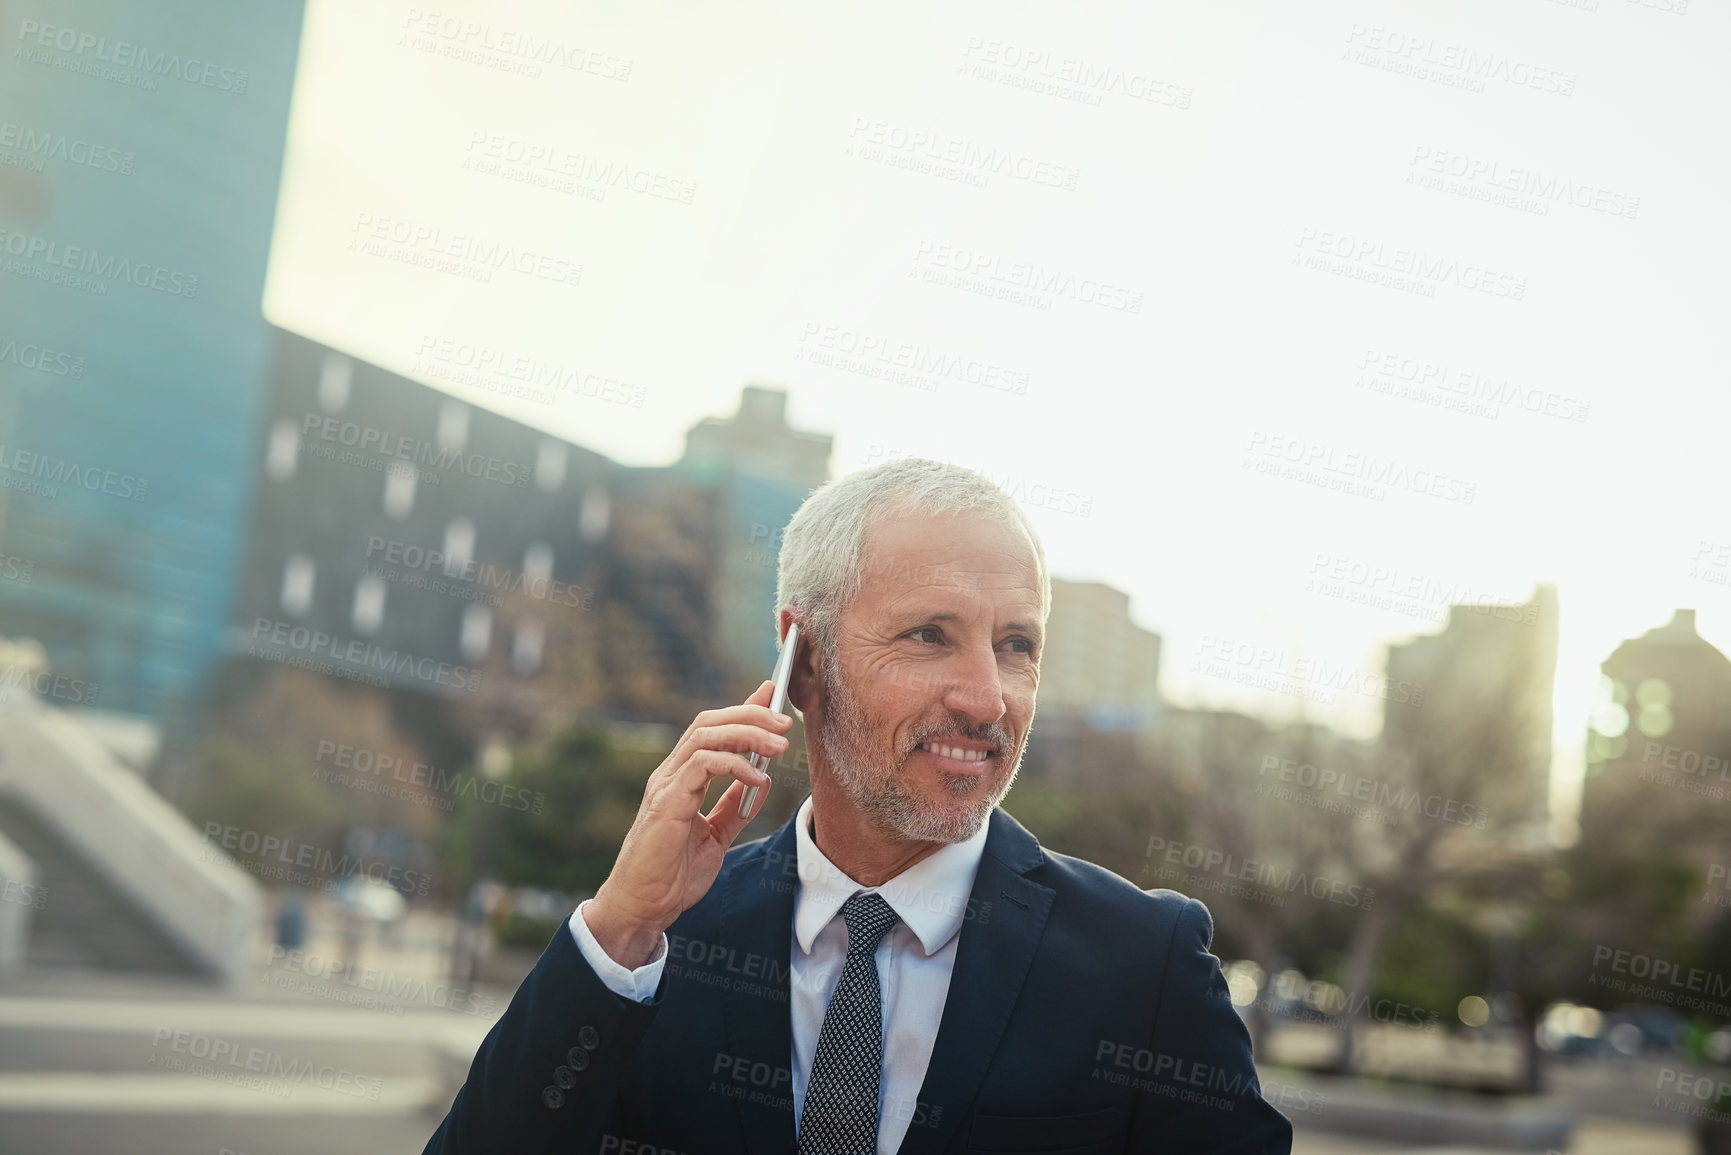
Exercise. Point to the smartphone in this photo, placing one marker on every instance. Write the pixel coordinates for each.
(777, 702)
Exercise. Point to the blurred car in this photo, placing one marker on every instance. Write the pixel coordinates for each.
(378, 901)
(1637, 1028)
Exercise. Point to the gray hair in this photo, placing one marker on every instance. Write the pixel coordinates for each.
(820, 569)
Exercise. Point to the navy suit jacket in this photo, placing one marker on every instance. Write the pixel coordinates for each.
(1084, 1015)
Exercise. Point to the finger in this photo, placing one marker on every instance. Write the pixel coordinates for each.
(707, 765)
(738, 738)
(726, 820)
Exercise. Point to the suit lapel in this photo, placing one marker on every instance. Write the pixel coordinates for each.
(1006, 915)
(757, 919)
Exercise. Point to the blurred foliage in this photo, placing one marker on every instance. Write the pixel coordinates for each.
(263, 789)
(560, 827)
(1431, 957)
(520, 932)
(1106, 824)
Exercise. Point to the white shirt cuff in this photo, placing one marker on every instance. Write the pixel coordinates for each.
(638, 985)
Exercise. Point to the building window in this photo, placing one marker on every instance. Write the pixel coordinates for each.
(593, 517)
(538, 562)
(399, 490)
(477, 631)
(550, 465)
(459, 546)
(453, 426)
(369, 608)
(526, 646)
(297, 584)
(283, 450)
(334, 377)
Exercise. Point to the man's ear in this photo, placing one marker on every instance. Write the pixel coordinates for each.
(803, 685)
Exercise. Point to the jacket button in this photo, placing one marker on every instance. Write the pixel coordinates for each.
(553, 1097)
(565, 1077)
(577, 1057)
(589, 1038)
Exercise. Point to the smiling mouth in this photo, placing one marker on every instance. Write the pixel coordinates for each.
(957, 753)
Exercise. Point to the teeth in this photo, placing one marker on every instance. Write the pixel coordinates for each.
(956, 752)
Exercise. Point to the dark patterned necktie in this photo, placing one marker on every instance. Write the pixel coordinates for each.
(840, 1116)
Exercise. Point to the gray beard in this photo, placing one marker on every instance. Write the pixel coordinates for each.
(876, 788)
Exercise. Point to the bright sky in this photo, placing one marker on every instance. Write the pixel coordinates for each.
(1087, 239)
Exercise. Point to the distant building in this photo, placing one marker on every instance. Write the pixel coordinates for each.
(133, 358)
(761, 470)
(1659, 750)
(1097, 664)
(402, 538)
(758, 440)
(1488, 680)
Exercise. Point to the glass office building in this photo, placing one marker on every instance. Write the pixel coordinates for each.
(140, 155)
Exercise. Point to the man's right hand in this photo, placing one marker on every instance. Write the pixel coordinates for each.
(673, 851)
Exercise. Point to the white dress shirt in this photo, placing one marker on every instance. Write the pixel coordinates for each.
(914, 963)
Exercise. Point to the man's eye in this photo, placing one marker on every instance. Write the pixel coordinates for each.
(936, 634)
(1027, 646)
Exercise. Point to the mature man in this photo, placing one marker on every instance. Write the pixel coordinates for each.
(901, 967)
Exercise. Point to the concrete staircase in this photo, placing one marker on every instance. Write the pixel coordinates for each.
(83, 921)
(125, 881)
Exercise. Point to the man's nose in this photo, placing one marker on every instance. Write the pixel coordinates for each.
(976, 691)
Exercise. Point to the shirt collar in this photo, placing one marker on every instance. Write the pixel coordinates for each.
(931, 896)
